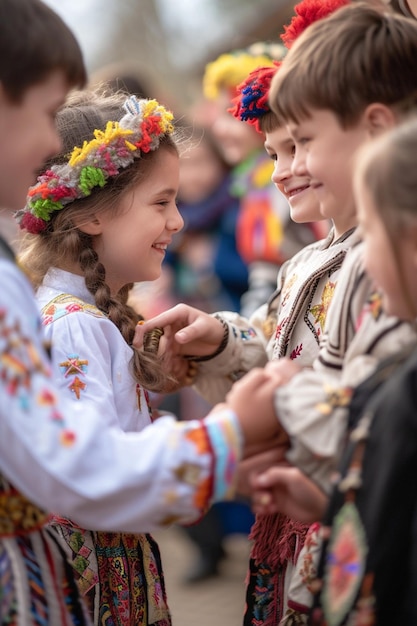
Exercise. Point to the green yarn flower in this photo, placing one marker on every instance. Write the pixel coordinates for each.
(91, 177)
(43, 208)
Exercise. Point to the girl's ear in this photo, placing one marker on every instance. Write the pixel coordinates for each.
(379, 118)
(89, 227)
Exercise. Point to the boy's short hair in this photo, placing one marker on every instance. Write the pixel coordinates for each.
(35, 41)
(358, 55)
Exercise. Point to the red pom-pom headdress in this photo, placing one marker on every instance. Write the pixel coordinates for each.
(251, 102)
(308, 12)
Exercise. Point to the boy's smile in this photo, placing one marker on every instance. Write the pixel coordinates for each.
(303, 204)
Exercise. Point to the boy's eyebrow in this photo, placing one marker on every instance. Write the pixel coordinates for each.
(292, 129)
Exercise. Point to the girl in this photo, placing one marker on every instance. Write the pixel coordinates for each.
(84, 251)
(99, 219)
(368, 567)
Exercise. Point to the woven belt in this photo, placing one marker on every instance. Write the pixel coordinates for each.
(18, 516)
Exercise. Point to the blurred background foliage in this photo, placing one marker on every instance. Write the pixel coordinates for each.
(168, 42)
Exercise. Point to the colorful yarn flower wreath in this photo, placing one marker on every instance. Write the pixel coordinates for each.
(91, 165)
(251, 101)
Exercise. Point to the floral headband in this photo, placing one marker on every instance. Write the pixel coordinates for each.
(90, 166)
(251, 101)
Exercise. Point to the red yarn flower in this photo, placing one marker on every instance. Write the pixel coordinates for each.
(308, 12)
(32, 224)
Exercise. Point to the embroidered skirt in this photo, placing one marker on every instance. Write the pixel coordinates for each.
(119, 574)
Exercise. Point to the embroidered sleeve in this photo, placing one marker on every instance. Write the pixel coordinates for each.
(313, 407)
(83, 351)
(246, 349)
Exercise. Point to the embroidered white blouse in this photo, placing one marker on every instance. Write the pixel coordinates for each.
(90, 356)
(70, 454)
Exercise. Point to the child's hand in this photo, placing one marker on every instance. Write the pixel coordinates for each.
(187, 331)
(251, 398)
(258, 463)
(283, 370)
(287, 490)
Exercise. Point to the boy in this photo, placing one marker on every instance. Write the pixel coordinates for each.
(327, 90)
(47, 452)
(309, 93)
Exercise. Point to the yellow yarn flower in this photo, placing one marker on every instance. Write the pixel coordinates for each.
(112, 132)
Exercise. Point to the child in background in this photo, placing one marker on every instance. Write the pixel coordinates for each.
(327, 130)
(99, 476)
(265, 234)
(372, 514)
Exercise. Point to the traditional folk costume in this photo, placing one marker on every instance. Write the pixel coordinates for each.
(67, 453)
(315, 419)
(61, 455)
(290, 325)
(119, 573)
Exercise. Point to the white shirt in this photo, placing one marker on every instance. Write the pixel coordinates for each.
(101, 377)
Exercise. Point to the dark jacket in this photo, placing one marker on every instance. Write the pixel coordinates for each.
(383, 447)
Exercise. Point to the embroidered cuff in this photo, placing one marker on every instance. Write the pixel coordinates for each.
(225, 434)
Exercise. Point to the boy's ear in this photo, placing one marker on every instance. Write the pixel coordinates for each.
(379, 118)
(89, 227)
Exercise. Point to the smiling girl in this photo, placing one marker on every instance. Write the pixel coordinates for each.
(84, 249)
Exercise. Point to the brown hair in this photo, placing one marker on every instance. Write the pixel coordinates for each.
(34, 41)
(63, 243)
(359, 55)
(386, 168)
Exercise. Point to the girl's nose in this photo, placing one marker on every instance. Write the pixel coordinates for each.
(175, 221)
